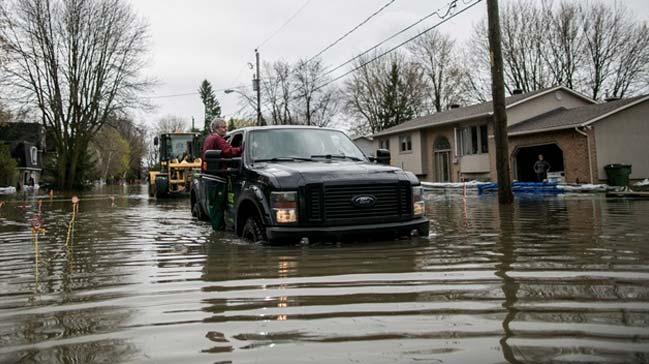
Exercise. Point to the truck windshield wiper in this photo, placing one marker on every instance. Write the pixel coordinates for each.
(282, 159)
(335, 156)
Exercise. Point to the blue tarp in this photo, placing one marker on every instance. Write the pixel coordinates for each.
(524, 187)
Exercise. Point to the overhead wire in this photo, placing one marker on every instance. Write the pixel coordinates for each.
(352, 30)
(196, 92)
(281, 27)
(443, 20)
(284, 25)
(450, 6)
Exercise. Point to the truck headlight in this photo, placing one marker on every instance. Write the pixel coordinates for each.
(284, 205)
(418, 203)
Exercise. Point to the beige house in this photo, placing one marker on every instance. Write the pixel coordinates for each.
(576, 135)
(365, 144)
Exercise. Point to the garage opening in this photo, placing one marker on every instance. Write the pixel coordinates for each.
(527, 156)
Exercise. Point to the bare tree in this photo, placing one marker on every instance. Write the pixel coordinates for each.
(276, 88)
(315, 104)
(77, 62)
(476, 86)
(384, 93)
(435, 53)
(631, 63)
(563, 47)
(522, 44)
(593, 47)
(602, 28)
(170, 124)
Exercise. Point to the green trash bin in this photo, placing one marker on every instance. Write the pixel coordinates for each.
(617, 174)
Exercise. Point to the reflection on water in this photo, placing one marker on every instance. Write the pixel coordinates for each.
(129, 279)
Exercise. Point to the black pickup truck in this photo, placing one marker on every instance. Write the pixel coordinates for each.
(295, 182)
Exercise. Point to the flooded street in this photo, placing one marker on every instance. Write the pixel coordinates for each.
(132, 279)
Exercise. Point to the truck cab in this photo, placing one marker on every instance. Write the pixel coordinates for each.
(294, 182)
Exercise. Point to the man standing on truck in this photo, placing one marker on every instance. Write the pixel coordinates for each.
(215, 140)
(217, 190)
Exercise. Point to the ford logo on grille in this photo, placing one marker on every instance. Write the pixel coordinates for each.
(363, 201)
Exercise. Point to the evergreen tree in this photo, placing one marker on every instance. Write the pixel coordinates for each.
(211, 104)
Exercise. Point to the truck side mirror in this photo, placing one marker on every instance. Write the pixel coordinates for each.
(155, 141)
(382, 156)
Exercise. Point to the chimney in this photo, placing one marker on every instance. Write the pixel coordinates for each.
(517, 91)
(454, 106)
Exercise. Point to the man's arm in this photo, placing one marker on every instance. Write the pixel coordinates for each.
(227, 150)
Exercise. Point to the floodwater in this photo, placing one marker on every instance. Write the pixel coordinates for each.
(131, 279)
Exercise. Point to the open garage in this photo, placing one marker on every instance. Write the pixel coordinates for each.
(526, 157)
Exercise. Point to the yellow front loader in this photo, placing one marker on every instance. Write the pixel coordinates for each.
(179, 159)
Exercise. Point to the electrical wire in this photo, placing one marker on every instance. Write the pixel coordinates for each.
(283, 25)
(444, 20)
(351, 31)
(196, 92)
(450, 6)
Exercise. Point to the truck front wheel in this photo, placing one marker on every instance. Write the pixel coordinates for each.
(253, 231)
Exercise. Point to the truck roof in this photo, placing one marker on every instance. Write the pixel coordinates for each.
(275, 127)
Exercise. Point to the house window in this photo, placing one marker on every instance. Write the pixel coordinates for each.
(384, 144)
(405, 143)
(484, 145)
(33, 151)
(474, 140)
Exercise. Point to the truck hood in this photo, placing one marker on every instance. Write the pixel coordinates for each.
(291, 175)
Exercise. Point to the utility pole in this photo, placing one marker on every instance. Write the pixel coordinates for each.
(499, 113)
(256, 86)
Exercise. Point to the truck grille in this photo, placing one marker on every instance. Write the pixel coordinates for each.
(334, 204)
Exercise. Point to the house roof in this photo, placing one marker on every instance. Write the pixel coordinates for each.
(470, 112)
(562, 118)
(366, 137)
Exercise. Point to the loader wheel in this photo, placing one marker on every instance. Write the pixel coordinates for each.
(253, 231)
(161, 187)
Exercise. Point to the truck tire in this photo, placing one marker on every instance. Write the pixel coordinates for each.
(253, 231)
(197, 211)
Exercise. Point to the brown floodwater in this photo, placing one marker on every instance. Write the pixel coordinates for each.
(127, 278)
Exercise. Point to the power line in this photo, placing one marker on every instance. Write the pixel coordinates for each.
(285, 24)
(195, 92)
(352, 30)
(449, 8)
(444, 20)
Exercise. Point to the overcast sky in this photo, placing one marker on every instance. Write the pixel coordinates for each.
(215, 39)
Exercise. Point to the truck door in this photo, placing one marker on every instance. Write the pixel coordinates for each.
(234, 181)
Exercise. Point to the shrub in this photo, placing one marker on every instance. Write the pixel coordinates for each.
(8, 167)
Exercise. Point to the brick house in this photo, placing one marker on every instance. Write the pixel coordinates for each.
(577, 136)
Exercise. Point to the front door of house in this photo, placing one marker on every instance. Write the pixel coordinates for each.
(442, 159)
(442, 166)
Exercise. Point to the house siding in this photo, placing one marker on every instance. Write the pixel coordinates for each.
(410, 160)
(542, 104)
(622, 138)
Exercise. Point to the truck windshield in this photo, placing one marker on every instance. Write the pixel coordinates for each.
(177, 146)
(301, 144)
